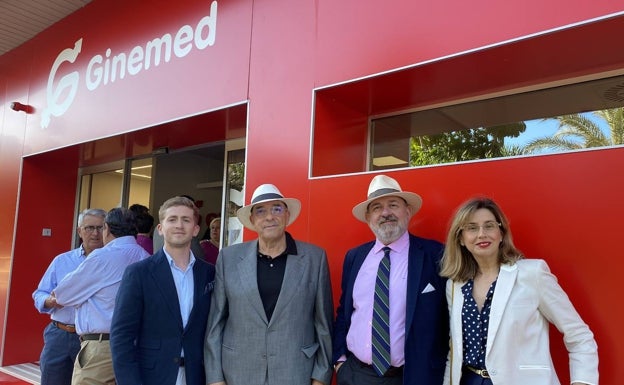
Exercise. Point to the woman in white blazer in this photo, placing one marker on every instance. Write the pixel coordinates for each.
(501, 306)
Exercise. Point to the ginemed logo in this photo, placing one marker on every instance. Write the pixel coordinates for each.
(108, 68)
(56, 106)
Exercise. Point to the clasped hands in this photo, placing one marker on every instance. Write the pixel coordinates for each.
(50, 302)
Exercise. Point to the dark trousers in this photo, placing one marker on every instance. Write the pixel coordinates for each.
(471, 378)
(57, 357)
(354, 372)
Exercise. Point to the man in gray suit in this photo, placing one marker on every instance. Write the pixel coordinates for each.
(271, 314)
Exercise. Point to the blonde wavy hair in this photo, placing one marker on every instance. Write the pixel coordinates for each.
(458, 263)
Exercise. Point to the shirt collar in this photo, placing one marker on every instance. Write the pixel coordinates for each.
(397, 246)
(291, 246)
(171, 263)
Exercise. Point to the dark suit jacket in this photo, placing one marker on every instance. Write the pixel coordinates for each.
(426, 322)
(147, 334)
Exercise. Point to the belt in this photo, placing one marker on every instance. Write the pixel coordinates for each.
(481, 372)
(68, 328)
(95, 337)
(392, 371)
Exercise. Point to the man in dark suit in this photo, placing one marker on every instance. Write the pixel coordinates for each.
(159, 322)
(409, 344)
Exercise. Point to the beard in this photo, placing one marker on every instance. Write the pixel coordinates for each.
(388, 229)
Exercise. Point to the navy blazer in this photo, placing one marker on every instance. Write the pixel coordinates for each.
(426, 321)
(147, 334)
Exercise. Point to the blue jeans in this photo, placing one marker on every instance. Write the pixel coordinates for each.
(57, 357)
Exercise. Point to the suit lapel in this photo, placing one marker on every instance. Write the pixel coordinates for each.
(295, 265)
(506, 279)
(414, 273)
(163, 279)
(248, 277)
(457, 346)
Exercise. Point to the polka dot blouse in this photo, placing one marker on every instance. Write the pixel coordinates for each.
(475, 326)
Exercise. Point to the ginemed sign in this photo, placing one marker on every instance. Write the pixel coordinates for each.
(110, 67)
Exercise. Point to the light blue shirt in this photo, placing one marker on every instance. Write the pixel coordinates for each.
(61, 265)
(92, 287)
(185, 284)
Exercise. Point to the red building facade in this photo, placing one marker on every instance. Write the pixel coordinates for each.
(299, 82)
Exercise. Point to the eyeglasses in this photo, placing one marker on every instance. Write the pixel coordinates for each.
(488, 227)
(276, 211)
(90, 229)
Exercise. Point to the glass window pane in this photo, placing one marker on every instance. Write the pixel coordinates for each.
(140, 182)
(106, 190)
(234, 197)
(558, 119)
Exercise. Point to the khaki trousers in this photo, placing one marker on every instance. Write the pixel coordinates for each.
(94, 364)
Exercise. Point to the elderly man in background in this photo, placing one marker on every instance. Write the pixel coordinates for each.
(60, 341)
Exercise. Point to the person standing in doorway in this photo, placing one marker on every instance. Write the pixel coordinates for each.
(60, 341)
(92, 288)
(271, 312)
(211, 245)
(145, 224)
(392, 321)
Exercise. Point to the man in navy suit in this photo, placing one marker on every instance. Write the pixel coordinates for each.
(417, 338)
(159, 322)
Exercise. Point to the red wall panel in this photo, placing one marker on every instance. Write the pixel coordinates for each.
(359, 38)
(340, 138)
(280, 93)
(12, 127)
(562, 208)
(46, 201)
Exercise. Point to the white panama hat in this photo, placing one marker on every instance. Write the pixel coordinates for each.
(267, 193)
(384, 186)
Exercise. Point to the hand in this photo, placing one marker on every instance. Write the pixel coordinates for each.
(50, 302)
(316, 382)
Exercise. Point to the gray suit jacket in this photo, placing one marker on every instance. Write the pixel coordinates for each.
(243, 348)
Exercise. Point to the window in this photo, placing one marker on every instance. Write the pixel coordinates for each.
(566, 118)
(500, 100)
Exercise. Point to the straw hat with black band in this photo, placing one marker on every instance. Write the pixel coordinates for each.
(385, 186)
(267, 193)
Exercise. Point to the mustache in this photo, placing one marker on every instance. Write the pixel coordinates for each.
(387, 218)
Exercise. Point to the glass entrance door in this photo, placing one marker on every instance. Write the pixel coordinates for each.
(234, 192)
(116, 184)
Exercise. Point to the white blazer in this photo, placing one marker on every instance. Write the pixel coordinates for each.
(527, 297)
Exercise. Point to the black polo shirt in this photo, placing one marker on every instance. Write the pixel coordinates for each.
(271, 275)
